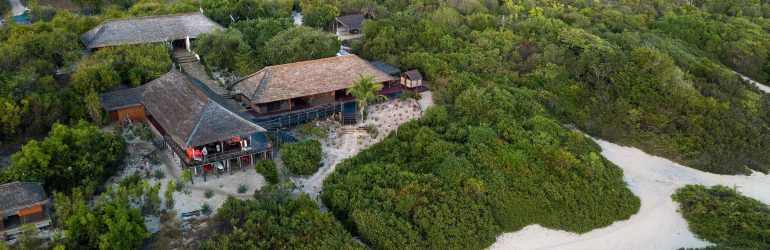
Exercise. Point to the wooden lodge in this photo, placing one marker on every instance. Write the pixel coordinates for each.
(23, 203)
(199, 126)
(308, 84)
(178, 29)
(348, 27)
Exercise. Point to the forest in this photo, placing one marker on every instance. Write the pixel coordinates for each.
(517, 83)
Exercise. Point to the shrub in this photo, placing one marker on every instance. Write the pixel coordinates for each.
(302, 158)
(179, 185)
(206, 208)
(268, 170)
(160, 174)
(372, 130)
(723, 216)
(311, 130)
(242, 188)
(208, 193)
(169, 194)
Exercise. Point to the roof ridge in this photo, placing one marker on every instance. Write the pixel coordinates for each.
(198, 123)
(148, 17)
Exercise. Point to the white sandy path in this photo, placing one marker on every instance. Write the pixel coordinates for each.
(297, 18)
(16, 7)
(657, 225)
(762, 87)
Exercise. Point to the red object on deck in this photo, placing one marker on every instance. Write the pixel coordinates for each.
(208, 168)
(245, 160)
(193, 153)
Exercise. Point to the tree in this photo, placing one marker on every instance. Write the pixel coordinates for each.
(268, 170)
(365, 90)
(68, 157)
(110, 224)
(300, 44)
(321, 16)
(302, 158)
(10, 117)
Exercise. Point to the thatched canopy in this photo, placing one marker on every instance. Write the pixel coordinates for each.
(148, 29)
(351, 21)
(19, 195)
(286, 81)
(189, 113)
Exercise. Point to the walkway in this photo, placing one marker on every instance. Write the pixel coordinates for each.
(192, 66)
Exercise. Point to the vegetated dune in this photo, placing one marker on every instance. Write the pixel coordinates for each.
(658, 225)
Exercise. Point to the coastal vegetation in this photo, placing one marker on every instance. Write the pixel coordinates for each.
(303, 157)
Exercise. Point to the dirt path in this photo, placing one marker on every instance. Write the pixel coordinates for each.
(657, 225)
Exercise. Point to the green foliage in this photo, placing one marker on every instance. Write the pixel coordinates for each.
(321, 16)
(301, 224)
(311, 130)
(10, 118)
(302, 158)
(365, 90)
(723, 216)
(227, 49)
(208, 193)
(300, 44)
(68, 157)
(169, 193)
(242, 188)
(186, 175)
(110, 224)
(206, 208)
(160, 174)
(267, 169)
(221, 11)
(464, 173)
(136, 64)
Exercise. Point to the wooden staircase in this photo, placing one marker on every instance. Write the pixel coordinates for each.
(184, 56)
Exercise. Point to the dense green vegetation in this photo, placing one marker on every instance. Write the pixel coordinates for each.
(723, 216)
(463, 173)
(300, 44)
(68, 157)
(303, 157)
(614, 70)
(275, 220)
(268, 170)
(110, 223)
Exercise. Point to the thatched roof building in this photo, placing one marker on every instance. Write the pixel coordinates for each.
(150, 29)
(307, 78)
(189, 115)
(20, 195)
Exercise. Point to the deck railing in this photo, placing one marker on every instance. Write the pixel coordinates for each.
(293, 118)
(215, 157)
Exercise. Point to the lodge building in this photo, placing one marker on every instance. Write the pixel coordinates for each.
(23, 203)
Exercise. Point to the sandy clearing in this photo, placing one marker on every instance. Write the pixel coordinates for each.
(657, 225)
(17, 8)
(346, 141)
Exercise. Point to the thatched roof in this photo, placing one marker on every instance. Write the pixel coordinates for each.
(413, 75)
(286, 81)
(387, 68)
(20, 195)
(189, 114)
(122, 98)
(351, 21)
(150, 29)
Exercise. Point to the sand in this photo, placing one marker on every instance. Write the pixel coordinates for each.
(761, 87)
(658, 225)
(346, 141)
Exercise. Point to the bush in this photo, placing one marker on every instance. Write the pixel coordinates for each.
(206, 209)
(279, 221)
(302, 158)
(160, 174)
(242, 188)
(208, 193)
(169, 194)
(723, 216)
(311, 130)
(268, 170)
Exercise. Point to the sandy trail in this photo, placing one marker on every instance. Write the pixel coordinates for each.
(657, 225)
(762, 87)
(17, 8)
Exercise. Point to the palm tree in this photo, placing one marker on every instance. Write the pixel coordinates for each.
(365, 90)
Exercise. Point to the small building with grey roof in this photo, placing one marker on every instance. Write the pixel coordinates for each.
(23, 203)
(176, 28)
